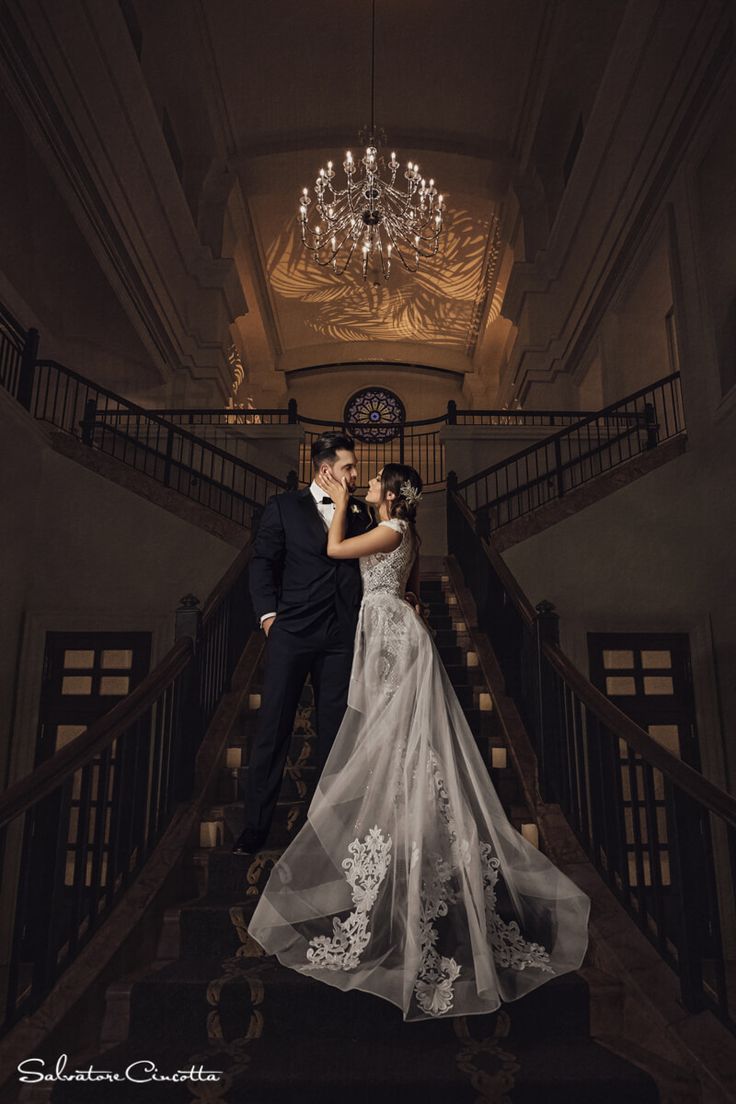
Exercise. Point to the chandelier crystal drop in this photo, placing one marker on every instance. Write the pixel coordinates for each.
(378, 213)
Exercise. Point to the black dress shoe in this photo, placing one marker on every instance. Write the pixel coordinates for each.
(248, 842)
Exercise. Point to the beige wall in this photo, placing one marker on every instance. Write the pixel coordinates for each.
(81, 553)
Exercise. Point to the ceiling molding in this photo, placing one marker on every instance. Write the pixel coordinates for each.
(341, 367)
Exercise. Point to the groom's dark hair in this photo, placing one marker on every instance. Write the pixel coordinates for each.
(325, 447)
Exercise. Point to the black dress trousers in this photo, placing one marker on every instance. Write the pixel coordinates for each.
(322, 653)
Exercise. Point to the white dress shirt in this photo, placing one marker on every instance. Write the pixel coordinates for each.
(326, 511)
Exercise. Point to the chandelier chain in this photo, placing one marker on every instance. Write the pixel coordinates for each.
(373, 70)
(371, 211)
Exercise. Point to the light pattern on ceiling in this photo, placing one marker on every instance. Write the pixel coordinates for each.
(435, 305)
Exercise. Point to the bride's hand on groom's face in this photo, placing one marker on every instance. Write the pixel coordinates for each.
(337, 489)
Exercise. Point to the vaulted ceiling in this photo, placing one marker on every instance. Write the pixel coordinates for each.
(485, 94)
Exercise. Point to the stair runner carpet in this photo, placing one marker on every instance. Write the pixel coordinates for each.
(282, 1038)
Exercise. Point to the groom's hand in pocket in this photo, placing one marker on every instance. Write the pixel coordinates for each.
(266, 626)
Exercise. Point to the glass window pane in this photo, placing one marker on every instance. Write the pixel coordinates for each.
(615, 658)
(76, 684)
(65, 733)
(634, 873)
(626, 783)
(656, 659)
(114, 684)
(658, 785)
(658, 684)
(620, 684)
(117, 657)
(78, 658)
(662, 824)
(668, 735)
(664, 867)
(69, 870)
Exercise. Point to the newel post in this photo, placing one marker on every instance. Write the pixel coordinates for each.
(188, 619)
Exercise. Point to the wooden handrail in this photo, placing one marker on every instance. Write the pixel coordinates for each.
(566, 431)
(12, 325)
(510, 583)
(80, 751)
(438, 420)
(24, 793)
(169, 427)
(685, 777)
(695, 784)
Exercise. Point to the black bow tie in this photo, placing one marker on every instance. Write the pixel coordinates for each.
(327, 502)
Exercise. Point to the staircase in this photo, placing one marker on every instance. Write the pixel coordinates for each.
(213, 999)
(581, 463)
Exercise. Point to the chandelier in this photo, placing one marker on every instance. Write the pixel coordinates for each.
(375, 213)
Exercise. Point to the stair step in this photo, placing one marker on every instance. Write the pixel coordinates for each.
(158, 1001)
(394, 1072)
(274, 1068)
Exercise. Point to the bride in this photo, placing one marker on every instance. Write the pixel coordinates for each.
(407, 879)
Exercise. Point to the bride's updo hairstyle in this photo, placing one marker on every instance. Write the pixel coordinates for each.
(403, 505)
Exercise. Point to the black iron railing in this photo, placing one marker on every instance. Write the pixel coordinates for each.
(661, 835)
(171, 455)
(78, 830)
(518, 417)
(17, 353)
(416, 443)
(157, 442)
(593, 444)
(229, 416)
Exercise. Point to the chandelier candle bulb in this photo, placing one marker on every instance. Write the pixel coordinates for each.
(374, 205)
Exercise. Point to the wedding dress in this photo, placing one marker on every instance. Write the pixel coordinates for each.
(407, 879)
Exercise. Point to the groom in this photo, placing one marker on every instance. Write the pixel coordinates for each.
(308, 607)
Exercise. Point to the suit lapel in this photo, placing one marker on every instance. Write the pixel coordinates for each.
(359, 522)
(312, 515)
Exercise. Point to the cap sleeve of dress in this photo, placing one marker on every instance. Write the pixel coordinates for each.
(399, 524)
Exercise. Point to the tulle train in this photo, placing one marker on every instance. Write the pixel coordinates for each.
(407, 879)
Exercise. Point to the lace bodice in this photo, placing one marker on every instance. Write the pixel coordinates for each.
(389, 571)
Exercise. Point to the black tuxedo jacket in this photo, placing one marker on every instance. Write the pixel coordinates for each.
(291, 573)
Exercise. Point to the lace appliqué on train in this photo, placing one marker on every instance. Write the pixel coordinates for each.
(437, 973)
(509, 946)
(364, 872)
(510, 949)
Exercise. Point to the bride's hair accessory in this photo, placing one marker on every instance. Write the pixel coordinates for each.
(410, 493)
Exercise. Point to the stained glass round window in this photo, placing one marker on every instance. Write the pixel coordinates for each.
(374, 414)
